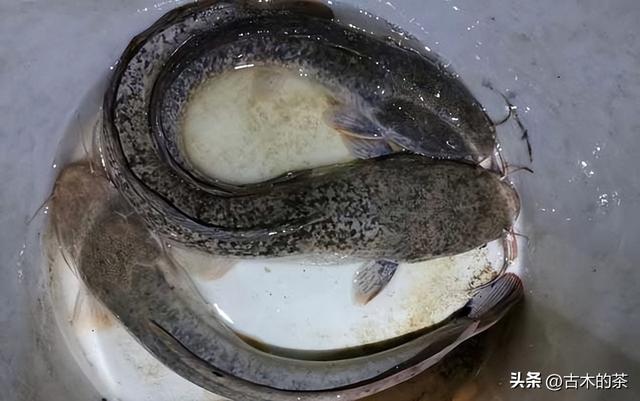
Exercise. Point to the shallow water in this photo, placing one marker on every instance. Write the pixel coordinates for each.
(572, 70)
(256, 123)
(294, 303)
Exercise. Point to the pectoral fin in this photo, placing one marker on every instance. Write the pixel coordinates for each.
(366, 148)
(363, 136)
(492, 301)
(352, 122)
(371, 279)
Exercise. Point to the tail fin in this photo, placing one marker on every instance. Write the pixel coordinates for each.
(491, 302)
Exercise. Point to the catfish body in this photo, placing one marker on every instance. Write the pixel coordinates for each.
(403, 206)
(124, 266)
(399, 207)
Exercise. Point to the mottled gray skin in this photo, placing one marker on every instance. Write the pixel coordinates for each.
(403, 208)
(123, 264)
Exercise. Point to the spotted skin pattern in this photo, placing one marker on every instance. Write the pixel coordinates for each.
(123, 264)
(400, 207)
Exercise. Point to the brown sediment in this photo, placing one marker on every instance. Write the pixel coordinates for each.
(484, 276)
(92, 314)
(426, 301)
(467, 392)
